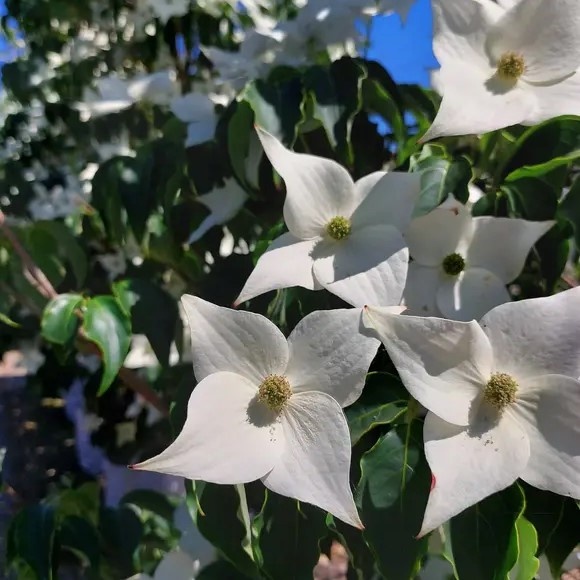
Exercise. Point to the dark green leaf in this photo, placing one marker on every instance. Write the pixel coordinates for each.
(289, 537)
(218, 513)
(392, 495)
(32, 537)
(152, 501)
(220, 570)
(556, 520)
(240, 125)
(570, 210)
(153, 313)
(277, 106)
(83, 501)
(81, 537)
(383, 401)
(377, 100)
(336, 90)
(440, 178)
(59, 322)
(107, 325)
(544, 144)
(484, 537)
(68, 247)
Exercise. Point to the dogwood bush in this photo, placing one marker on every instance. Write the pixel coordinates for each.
(322, 306)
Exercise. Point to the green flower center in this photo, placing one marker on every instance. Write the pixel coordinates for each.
(511, 66)
(338, 228)
(454, 264)
(500, 391)
(274, 392)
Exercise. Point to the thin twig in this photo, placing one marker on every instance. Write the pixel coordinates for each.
(44, 286)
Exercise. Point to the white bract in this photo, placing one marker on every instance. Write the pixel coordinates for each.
(269, 408)
(503, 397)
(344, 236)
(112, 94)
(504, 65)
(461, 264)
(198, 111)
(223, 203)
(176, 565)
(166, 9)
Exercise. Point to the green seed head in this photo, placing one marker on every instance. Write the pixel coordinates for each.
(511, 66)
(338, 228)
(500, 391)
(454, 264)
(274, 392)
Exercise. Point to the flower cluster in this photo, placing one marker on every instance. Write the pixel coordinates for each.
(499, 379)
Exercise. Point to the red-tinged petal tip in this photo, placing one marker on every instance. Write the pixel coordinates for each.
(235, 305)
(433, 482)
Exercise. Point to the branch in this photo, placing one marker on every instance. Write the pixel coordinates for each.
(39, 280)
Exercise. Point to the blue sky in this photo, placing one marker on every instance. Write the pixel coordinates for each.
(405, 50)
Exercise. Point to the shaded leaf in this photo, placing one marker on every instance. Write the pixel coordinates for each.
(484, 537)
(383, 400)
(107, 325)
(153, 313)
(392, 494)
(289, 537)
(59, 322)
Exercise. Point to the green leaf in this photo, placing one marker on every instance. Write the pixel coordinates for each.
(220, 570)
(377, 100)
(31, 536)
(240, 125)
(277, 106)
(484, 537)
(392, 494)
(43, 249)
(570, 209)
(556, 520)
(532, 199)
(219, 515)
(152, 501)
(440, 178)
(336, 93)
(153, 313)
(80, 536)
(550, 144)
(383, 401)
(83, 501)
(107, 325)
(527, 565)
(59, 322)
(122, 532)
(68, 247)
(289, 537)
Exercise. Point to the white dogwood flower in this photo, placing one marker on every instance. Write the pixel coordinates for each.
(505, 64)
(344, 236)
(223, 203)
(503, 396)
(461, 264)
(198, 111)
(269, 408)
